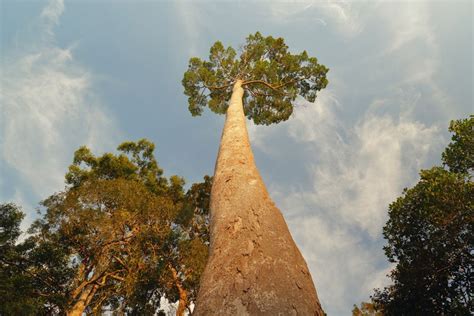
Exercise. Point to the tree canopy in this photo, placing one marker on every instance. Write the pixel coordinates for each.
(430, 235)
(271, 76)
(120, 236)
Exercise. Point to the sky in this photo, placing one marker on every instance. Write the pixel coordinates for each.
(98, 73)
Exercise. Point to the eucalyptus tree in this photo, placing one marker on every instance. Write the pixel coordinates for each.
(128, 234)
(254, 265)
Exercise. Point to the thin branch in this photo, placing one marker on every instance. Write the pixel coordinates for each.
(273, 87)
(214, 87)
(121, 262)
(117, 277)
(258, 93)
(259, 82)
(218, 87)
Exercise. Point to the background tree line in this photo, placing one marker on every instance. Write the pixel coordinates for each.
(430, 238)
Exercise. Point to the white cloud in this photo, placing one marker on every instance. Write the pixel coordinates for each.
(346, 17)
(48, 110)
(51, 14)
(412, 22)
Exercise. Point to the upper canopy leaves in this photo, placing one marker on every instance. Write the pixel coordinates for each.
(271, 76)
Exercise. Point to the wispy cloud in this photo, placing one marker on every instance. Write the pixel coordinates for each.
(189, 16)
(411, 23)
(345, 17)
(48, 108)
(51, 14)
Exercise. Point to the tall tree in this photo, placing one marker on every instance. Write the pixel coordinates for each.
(254, 265)
(430, 235)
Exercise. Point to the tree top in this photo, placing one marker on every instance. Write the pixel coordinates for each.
(271, 76)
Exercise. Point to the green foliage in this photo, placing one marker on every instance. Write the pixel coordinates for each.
(10, 219)
(136, 162)
(105, 225)
(271, 76)
(32, 277)
(12, 283)
(430, 238)
(459, 156)
(190, 255)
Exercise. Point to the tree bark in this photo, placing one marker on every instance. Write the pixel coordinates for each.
(84, 299)
(183, 295)
(254, 266)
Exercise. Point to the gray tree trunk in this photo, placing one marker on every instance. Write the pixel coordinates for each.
(254, 266)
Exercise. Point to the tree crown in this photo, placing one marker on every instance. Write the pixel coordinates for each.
(271, 76)
(120, 229)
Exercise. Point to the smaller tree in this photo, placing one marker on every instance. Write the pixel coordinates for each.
(32, 275)
(430, 235)
(103, 225)
(130, 235)
(119, 237)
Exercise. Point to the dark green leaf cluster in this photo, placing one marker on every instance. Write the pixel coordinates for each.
(430, 235)
(33, 278)
(271, 76)
(459, 155)
(10, 219)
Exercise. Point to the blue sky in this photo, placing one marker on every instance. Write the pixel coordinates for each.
(97, 73)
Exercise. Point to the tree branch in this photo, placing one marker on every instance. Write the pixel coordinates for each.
(273, 87)
(218, 87)
(259, 82)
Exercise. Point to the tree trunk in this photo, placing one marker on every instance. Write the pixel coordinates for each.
(84, 299)
(254, 266)
(183, 295)
(183, 302)
(78, 308)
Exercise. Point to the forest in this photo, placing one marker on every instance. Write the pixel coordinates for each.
(325, 172)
